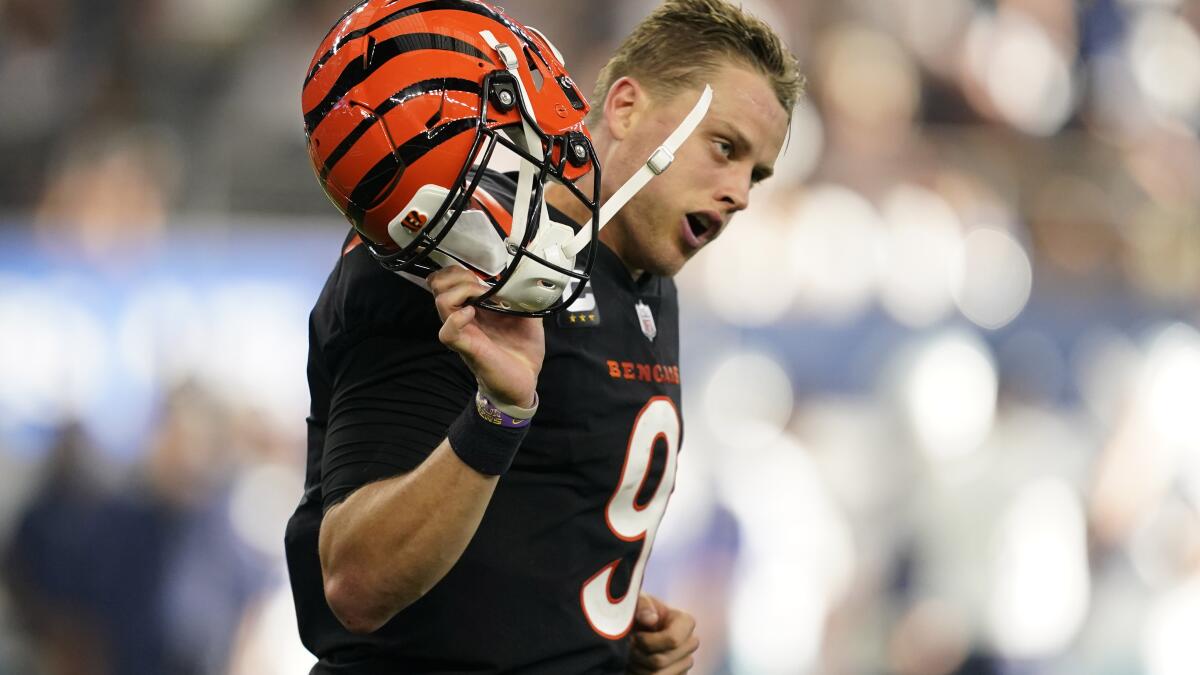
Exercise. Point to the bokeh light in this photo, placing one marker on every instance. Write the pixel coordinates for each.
(255, 351)
(797, 561)
(934, 29)
(869, 77)
(994, 280)
(801, 151)
(833, 237)
(748, 283)
(1040, 596)
(747, 400)
(949, 390)
(1169, 638)
(1165, 53)
(1024, 73)
(1170, 387)
(920, 254)
(52, 354)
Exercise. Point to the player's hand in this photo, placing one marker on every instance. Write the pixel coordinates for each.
(505, 352)
(662, 642)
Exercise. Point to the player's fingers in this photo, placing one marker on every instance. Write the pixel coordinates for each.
(454, 276)
(657, 661)
(673, 669)
(678, 627)
(452, 333)
(454, 296)
(650, 612)
(679, 668)
(446, 277)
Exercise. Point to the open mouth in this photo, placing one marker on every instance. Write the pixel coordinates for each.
(702, 227)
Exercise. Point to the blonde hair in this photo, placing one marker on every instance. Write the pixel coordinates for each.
(682, 40)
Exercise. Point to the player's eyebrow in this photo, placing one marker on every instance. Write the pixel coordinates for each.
(742, 145)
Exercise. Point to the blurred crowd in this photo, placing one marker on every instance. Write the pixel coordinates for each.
(941, 378)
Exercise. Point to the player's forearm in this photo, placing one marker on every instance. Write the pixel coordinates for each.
(392, 541)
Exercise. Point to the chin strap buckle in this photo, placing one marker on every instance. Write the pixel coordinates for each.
(660, 161)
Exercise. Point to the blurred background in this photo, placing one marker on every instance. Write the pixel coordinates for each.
(942, 381)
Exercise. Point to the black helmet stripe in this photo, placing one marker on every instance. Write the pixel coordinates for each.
(430, 6)
(352, 9)
(394, 16)
(360, 69)
(379, 181)
(425, 87)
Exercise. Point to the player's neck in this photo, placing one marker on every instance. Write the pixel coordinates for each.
(611, 237)
(564, 201)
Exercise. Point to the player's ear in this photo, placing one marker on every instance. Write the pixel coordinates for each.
(624, 102)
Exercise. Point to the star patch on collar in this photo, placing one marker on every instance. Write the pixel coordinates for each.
(583, 313)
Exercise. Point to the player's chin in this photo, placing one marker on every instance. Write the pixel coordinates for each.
(672, 266)
(686, 252)
(666, 257)
(664, 263)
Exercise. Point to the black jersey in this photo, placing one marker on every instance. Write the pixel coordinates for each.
(549, 582)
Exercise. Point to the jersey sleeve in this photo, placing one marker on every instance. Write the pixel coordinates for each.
(394, 388)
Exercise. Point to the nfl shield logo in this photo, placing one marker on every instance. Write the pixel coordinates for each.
(646, 319)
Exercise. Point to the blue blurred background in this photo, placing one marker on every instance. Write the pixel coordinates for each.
(942, 381)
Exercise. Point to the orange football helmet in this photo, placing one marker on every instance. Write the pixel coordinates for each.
(405, 103)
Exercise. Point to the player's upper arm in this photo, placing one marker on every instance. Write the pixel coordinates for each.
(392, 400)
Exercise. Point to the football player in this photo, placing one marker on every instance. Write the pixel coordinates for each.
(493, 361)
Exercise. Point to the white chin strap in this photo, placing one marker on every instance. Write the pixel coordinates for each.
(660, 160)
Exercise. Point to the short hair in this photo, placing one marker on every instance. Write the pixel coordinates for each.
(681, 40)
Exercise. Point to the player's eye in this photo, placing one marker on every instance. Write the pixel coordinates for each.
(724, 147)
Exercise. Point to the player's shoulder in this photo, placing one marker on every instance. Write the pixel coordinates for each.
(361, 299)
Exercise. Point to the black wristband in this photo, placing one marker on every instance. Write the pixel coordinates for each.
(485, 439)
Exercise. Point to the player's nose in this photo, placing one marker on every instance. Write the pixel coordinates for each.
(734, 191)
